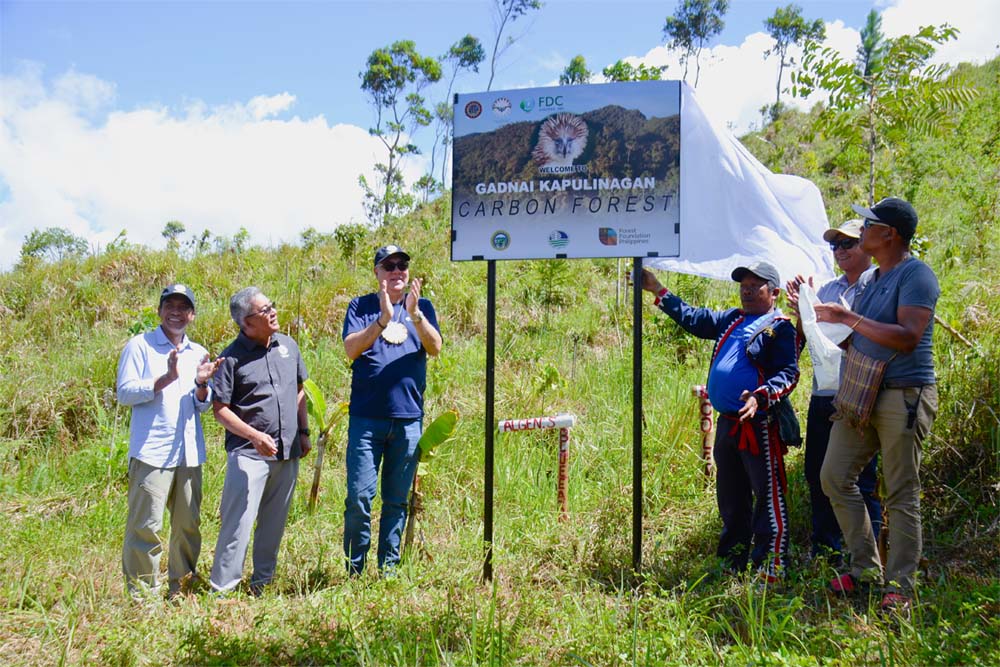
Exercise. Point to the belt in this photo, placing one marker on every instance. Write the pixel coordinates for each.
(903, 384)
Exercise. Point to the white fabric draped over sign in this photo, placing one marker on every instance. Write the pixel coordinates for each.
(734, 210)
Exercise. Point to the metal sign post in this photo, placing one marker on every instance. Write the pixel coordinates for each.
(637, 415)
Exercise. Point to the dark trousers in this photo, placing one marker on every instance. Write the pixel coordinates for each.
(750, 489)
(826, 535)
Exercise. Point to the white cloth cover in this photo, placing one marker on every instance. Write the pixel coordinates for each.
(734, 210)
(822, 338)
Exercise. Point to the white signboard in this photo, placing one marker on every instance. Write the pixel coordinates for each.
(572, 171)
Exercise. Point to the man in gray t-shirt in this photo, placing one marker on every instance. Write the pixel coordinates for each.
(892, 321)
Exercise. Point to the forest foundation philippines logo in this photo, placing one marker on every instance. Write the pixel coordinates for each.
(501, 106)
(527, 105)
(473, 109)
(500, 240)
(558, 239)
(608, 236)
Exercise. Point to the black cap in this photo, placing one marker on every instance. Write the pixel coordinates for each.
(892, 211)
(763, 270)
(177, 288)
(388, 251)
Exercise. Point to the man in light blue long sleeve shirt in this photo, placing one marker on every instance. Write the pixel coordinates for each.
(164, 376)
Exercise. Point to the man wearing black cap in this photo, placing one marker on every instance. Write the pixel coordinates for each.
(163, 376)
(753, 367)
(893, 321)
(387, 335)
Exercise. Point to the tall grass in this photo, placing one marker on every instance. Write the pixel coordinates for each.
(563, 592)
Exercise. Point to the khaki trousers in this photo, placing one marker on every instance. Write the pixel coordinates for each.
(150, 491)
(901, 420)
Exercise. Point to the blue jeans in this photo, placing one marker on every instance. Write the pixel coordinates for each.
(826, 535)
(389, 444)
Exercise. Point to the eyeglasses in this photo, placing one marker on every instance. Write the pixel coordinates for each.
(868, 223)
(843, 244)
(402, 265)
(265, 311)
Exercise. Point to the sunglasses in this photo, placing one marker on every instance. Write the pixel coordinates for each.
(868, 223)
(265, 311)
(843, 244)
(402, 265)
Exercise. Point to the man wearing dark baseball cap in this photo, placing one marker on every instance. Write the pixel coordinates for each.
(893, 322)
(892, 212)
(179, 289)
(387, 251)
(754, 366)
(387, 335)
(761, 269)
(163, 376)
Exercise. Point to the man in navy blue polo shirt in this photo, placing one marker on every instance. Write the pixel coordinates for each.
(387, 335)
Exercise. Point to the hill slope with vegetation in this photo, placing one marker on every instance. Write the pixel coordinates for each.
(563, 592)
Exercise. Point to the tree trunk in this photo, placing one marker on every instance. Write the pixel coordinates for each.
(412, 511)
(314, 491)
(871, 145)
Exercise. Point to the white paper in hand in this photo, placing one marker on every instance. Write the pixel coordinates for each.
(822, 338)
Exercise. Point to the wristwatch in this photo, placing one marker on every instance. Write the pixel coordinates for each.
(418, 317)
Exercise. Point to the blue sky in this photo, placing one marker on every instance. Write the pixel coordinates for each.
(123, 115)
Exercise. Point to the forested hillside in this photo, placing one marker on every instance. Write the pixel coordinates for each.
(564, 592)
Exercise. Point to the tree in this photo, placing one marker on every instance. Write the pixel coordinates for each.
(623, 71)
(427, 185)
(54, 243)
(504, 12)
(787, 27)
(171, 231)
(393, 80)
(310, 237)
(575, 73)
(465, 54)
(872, 46)
(889, 90)
(198, 245)
(692, 25)
(349, 238)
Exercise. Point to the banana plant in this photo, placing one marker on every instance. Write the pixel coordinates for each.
(323, 423)
(440, 430)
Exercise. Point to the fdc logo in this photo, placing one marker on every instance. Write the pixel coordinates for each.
(527, 105)
(550, 102)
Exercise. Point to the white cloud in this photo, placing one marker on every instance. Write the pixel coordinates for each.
(736, 81)
(69, 160)
(978, 22)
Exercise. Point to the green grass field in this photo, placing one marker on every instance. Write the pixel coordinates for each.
(564, 593)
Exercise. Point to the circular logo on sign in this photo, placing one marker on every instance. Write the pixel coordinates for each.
(473, 109)
(558, 239)
(500, 240)
(501, 106)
